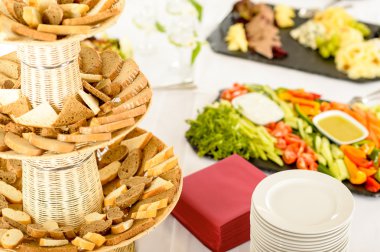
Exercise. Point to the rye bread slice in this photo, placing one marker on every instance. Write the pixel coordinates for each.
(17, 108)
(111, 186)
(36, 231)
(15, 224)
(102, 96)
(166, 194)
(138, 227)
(18, 7)
(115, 215)
(131, 164)
(128, 73)
(140, 99)
(99, 227)
(112, 155)
(53, 15)
(8, 177)
(151, 149)
(136, 180)
(34, 247)
(91, 60)
(131, 197)
(173, 175)
(72, 112)
(111, 64)
(10, 68)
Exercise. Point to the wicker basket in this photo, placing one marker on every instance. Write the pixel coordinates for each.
(63, 190)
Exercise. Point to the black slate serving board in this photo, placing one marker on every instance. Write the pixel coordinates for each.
(299, 57)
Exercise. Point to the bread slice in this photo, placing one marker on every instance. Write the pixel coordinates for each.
(111, 186)
(2, 232)
(72, 112)
(95, 216)
(138, 142)
(121, 227)
(110, 127)
(111, 64)
(131, 164)
(32, 34)
(166, 194)
(91, 60)
(64, 29)
(21, 145)
(36, 231)
(111, 198)
(83, 244)
(144, 214)
(130, 197)
(134, 88)
(159, 158)
(57, 234)
(3, 202)
(19, 216)
(12, 57)
(75, 138)
(128, 73)
(3, 146)
(154, 205)
(141, 98)
(90, 3)
(50, 144)
(173, 175)
(158, 185)
(102, 5)
(91, 101)
(8, 177)
(52, 15)
(52, 242)
(151, 149)
(17, 108)
(122, 116)
(98, 239)
(10, 68)
(138, 227)
(42, 116)
(109, 173)
(115, 215)
(74, 10)
(100, 227)
(92, 19)
(66, 232)
(31, 16)
(11, 239)
(15, 167)
(91, 78)
(112, 154)
(41, 5)
(50, 225)
(162, 167)
(9, 96)
(96, 92)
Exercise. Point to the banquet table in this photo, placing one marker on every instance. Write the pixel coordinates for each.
(212, 72)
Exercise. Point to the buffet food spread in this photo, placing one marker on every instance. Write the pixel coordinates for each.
(292, 129)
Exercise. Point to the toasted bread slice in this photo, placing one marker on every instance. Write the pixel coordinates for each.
(42, 116)
(100, 227)
(98, 239)
(115, 214)
(96, 92)
(91, 78)
(158, 185)
(36, 231)
(50, 225)
(33, 34)
(112, 154)
(141, 98)
(165, 166)
(159, 158)
(52, 242)
(128, 73)
(134, 88)
(144, 214)
(91, 101)
(138, 142)
(72, 112)
(122, 116)
(18, 216)
(17, 108)
(32, 16)
(50, 144)
(64, 29)
(111, 127)
(109, 173)
(136, 180)
(10, 68)
(111, 64)
(131, 164)
(154, 205)
(111, 198)
(91, 60)
(121, 227)
(53, 15)
(92, 19)
(21, 145)
(131, 197)
(74, 10)
(75, 138)
(95, 216)
(11, 238)
(83, 244)
(102, 5)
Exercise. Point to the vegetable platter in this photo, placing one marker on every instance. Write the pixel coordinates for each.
(239, 122)
(332, 43)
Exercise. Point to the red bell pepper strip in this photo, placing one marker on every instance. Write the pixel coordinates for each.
(299, 93)
(372, 185)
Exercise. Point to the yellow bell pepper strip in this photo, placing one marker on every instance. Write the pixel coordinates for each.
(372, 185)
(356, 155)
(368, 147)
(368, 171)
(357, 177)
(309, 111)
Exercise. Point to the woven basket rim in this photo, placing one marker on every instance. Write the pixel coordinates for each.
(78, 37)
(116, 136)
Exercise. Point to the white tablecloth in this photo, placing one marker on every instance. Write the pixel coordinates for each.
(213, 72)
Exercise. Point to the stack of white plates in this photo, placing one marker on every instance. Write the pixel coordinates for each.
(300, 211)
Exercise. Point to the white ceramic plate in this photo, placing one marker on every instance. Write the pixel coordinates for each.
(303, 202)
(291, 236)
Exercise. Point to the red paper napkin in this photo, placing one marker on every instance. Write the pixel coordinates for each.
(215, 203)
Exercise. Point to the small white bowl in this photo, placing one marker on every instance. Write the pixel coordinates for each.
(329, 113)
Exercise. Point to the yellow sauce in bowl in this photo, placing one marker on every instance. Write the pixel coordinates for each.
(340, 128)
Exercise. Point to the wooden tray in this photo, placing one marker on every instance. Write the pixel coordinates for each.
(299, 57)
